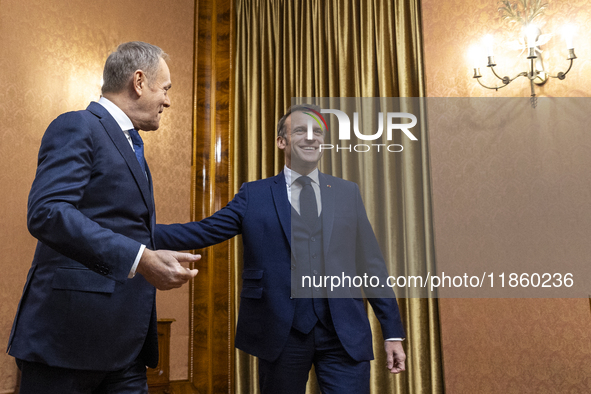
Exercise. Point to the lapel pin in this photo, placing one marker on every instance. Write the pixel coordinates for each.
(327, 185)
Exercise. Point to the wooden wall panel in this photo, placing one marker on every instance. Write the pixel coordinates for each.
(213, 327)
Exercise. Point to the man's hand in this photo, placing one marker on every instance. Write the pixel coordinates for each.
(395, 356)
(163, 269)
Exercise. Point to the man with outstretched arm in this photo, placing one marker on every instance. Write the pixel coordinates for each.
(301, 221)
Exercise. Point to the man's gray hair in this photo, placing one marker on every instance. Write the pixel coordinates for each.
(294, 108)
(126, 60)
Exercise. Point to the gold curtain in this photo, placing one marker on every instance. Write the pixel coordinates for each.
(342, 48)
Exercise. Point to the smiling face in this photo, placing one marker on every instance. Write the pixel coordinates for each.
(153, 98)
(301, 154)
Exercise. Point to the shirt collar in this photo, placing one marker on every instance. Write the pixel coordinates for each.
(122, 120)
(291, 176)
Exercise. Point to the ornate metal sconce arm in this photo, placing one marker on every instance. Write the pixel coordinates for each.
(571, 56)
(506, 80)
(490, 87)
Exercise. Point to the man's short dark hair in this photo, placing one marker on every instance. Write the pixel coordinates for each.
(294, 108)
(127, 59)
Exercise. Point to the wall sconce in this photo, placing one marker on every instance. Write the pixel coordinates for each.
(524, 12)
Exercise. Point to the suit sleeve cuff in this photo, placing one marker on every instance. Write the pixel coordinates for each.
(394, 339)
(136, 262)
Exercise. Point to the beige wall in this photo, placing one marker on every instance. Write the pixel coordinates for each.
(508, 345)
(51, 62)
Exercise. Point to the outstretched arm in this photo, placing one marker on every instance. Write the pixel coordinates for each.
(219, 227)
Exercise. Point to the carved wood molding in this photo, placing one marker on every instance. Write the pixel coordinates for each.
(159, 377)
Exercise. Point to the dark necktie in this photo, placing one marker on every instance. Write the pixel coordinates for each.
(308, 205)
(138, 147)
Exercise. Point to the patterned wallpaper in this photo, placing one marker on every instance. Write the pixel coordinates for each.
(498, 195)
(52, 57)
(511, 194)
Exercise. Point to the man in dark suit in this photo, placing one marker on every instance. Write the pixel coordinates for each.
(301, 221)
(86, 322)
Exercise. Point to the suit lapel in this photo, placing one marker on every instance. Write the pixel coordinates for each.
(153, 208)
(279, 191)
(122, 145)
(327, 195)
